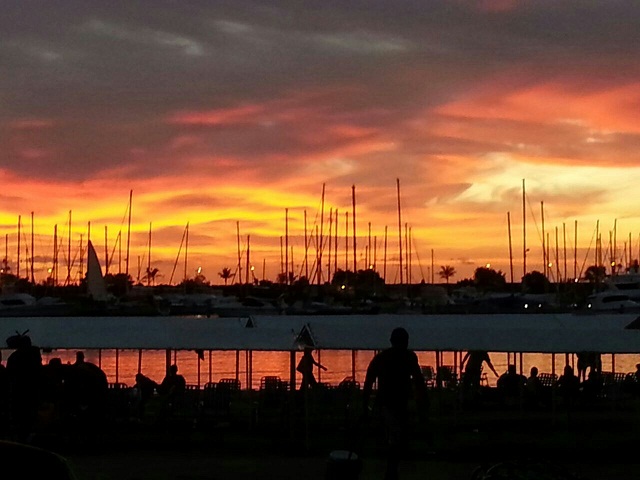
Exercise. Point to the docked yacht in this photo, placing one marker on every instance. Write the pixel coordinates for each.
(611, 300)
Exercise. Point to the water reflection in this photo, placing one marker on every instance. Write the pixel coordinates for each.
(123, 365)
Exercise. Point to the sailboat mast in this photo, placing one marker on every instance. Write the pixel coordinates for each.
(510, 248)
(406, 252)
(335, 246)
(186, 251)
(330, 243)
(375, 252)
(239, 267)
(175, 264)
(106, 252)
(128, 233)
(82, 250)
(353, 203)
(564, 249)
(614, 256)
(544, 249)
(149, 259)
(346, 241)
(120, 251)
(524, 231)
(368, 256)
(306, 248)
(399, 230)
(629, 261)
(68, 280)
(18, 265)
(286, 245)
(550, 263)
(317, 255)
(575, 250)
(33, 279)
(54, 272)
(597, 255)
(281, 257)
(384, 262)
(557, 258)
(433, 273)
(81, 257)
(248, 259)
(409, 258)
(321, 244)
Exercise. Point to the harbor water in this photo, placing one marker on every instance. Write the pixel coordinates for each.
(122, 365)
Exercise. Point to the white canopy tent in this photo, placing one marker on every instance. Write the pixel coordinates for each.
(534, 333)
(524, 333)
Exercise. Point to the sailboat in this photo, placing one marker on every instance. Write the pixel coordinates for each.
(96, 286)
(135, 303)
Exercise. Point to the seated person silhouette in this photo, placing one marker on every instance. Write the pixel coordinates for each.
(172, 390)
(568, 386)
(173, 383)
(533, 389)
(145, 387)
(510, 385)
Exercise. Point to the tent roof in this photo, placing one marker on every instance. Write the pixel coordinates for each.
(536, 333)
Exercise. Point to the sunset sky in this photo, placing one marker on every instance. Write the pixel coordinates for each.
(218, 112)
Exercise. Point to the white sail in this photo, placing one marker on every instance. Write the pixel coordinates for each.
(95, 281)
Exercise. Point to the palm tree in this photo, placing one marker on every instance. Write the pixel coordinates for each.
(151, 275)
(226, 274)
(446, 272)
(595, 274)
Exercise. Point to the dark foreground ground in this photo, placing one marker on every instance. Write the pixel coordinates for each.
(254, 439)
(601, 446)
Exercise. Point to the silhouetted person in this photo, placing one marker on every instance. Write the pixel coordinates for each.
(4, 397)
(511, 385)
(53, 374)
(592, 386)
(24, 368)
(631, 383)
(588, 360)
(173, 384)
(474, 360)
(54, 378)
(171, 390)
(568, 386)
(305, 367)
(86, 389)
(533, 389)
(398, 373)
(145, 389)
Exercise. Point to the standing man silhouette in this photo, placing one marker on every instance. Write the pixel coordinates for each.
(398, 373)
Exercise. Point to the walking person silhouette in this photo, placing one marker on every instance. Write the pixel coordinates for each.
(399, 376)
(305, 367)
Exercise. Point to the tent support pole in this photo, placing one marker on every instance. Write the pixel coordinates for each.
(237, 364)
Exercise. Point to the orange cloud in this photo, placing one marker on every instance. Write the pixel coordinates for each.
(610, 109)
(218, 116)
(31, 123)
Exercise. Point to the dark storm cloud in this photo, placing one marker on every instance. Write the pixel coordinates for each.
(108, 76)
